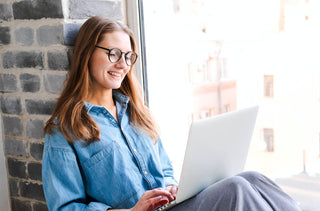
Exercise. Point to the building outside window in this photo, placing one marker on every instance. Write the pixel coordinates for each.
(268, 86)
(226, 108)
(268, 138)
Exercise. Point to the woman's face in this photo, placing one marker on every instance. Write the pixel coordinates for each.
(105, 74)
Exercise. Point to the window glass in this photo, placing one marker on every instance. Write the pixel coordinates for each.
(207, 57)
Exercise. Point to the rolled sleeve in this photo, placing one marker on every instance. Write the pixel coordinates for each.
(62, 181)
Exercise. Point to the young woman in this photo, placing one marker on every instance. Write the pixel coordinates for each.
(102, 150)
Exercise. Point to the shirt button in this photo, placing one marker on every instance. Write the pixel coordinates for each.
(135, 150)
(104, 111)
(145, 172)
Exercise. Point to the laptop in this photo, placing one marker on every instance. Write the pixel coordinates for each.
(217, 148)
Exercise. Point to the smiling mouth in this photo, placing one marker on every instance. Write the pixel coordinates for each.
(114, 74)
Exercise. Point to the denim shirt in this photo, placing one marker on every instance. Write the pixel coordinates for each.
(111, 173)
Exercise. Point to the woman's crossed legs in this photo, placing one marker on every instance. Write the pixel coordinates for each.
(243, 192)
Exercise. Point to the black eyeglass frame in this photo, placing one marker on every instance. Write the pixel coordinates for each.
(125, 55)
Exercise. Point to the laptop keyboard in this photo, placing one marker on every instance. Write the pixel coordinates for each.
(170, 204)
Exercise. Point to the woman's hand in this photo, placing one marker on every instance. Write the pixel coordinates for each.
(153, 199)
(173, 190)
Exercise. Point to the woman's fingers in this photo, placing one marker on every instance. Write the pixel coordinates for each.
(152, 199)
(158, 192)
(173, 190)
(157, 202)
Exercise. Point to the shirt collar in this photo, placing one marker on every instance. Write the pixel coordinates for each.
(117, 96)
(120, 97)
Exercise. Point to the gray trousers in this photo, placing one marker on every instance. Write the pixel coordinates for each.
(244, 192)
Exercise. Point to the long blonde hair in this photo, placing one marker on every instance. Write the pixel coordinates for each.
(70, 115)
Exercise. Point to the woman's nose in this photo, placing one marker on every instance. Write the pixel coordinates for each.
(122, 65)
(122, 61)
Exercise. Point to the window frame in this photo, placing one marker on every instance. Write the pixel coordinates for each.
(135, 20)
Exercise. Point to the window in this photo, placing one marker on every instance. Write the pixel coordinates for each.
(202, 114)
(198, 73)
(192, 71)
(268, 139)
(176, 6)
(202, 62)
(268, 86)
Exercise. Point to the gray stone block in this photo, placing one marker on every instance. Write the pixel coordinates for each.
(5, 36)
(8, 59)
(5, 11)
(17, 168)
(22, 59)
(12, 126)
(39, 207)
(70, 32)
(36, 150)
(58, 60)
(13, 187)
(8, 83)
(40, 106)
(35, 128)
(70, 55)
(29, 82)
(17, 204)
(54, 83)
(10, 105)
(24, 36)
(37, 9)
(31, 190)
(50, 35)
(34, 171)
(16, 147)
(82, 9)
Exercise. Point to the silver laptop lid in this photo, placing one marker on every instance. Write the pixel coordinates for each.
(217, 148)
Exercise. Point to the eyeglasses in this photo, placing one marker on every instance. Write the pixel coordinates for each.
(115, 55)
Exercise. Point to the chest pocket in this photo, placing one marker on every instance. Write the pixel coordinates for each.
(111, 177)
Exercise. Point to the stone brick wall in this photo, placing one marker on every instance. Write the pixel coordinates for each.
(36, 38)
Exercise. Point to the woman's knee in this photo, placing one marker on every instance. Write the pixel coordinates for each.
(252, 176)
(258, 180)
(233, 185)
(226, 190)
